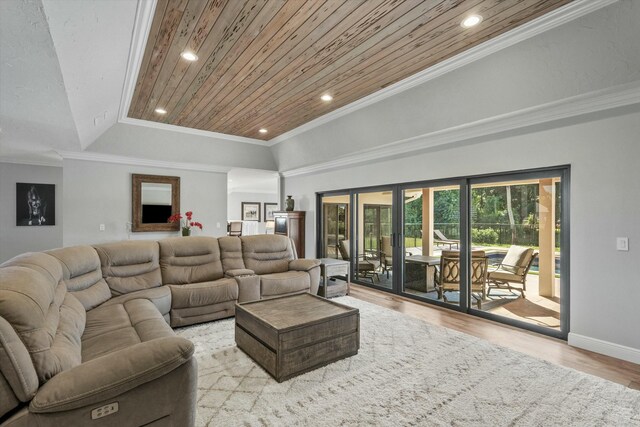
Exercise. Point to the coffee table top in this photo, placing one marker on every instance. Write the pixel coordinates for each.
(295, 310)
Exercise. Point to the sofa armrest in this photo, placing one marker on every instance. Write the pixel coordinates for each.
(110, 375)
(303, 264)
(239, 272)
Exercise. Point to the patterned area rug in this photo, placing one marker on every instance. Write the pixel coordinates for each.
(407, 372)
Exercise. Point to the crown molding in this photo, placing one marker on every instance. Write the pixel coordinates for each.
(141, 28)
(191, 131)
(134, 161)
(591, 102)
(553, 19)
(55, 163)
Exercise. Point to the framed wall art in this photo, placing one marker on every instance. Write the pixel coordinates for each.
(250, 211)
(269, 209)
(35, 204)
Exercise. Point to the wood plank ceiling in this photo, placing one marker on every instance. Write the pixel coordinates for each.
(265, 63)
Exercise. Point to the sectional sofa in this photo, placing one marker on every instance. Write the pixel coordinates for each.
(85, 331)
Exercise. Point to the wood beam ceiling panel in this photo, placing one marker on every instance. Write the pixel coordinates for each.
(265, 63)
(391, 65)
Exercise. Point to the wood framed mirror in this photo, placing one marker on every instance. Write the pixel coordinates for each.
(154, 199)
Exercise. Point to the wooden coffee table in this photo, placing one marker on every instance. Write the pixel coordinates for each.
(295, 334)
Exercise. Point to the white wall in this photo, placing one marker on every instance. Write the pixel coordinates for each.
(603, 154)
(15, 240)
(234, 205)
(100, 193)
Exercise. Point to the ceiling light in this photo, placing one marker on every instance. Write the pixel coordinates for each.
(161, 111)
(189, 56)
(326, 97)
(471, 21)
(263, 131)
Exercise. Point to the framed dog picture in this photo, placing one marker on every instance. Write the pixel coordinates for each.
(269, 209)
(35, 204)
(250, 211)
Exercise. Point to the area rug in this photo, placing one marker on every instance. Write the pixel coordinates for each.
(407, 373)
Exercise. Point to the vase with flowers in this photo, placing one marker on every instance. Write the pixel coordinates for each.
(186, 224)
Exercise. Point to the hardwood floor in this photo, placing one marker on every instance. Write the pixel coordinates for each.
(546, 348)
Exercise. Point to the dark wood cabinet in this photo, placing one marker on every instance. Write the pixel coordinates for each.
(291, 223)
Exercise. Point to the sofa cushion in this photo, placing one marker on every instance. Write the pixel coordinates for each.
(231, 253)
(205, 293)
(284, 283)
(113, 327)
(160, 297)
(267, 253)
(82, 275)
(130, 266)
(48, 320)
(190, 260)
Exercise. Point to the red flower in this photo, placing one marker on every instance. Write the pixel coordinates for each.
(189, 214)
(197, 224)
(175, 218)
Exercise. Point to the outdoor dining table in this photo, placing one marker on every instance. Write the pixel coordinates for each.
(429, 263)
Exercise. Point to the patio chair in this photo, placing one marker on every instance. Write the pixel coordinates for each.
(386, 255)
(364, 268)
(513, 270)
(441, 239)
(449, 279)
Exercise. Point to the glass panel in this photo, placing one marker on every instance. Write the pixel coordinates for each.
(515, 226)
(335, 210)
(374, 257)
(431, 228)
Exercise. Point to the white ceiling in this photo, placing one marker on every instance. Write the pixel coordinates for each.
(34, 111)
(63, 65)
(92, 39)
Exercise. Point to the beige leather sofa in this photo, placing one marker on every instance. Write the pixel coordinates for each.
(84, 328)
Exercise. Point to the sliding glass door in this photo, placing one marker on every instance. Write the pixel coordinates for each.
(431, 227)
(373, 245)
(494, 246)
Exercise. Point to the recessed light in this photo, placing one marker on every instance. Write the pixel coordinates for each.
(263, 131)
(161, 111)
(326, 97)
(189, 56)
(471, 21)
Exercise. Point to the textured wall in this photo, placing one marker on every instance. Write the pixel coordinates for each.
(16, 240)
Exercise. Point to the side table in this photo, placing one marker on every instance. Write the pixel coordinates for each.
(330, 267)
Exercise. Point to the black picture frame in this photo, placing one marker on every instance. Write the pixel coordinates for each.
(250, 211)
(35, 204)
(269, 209)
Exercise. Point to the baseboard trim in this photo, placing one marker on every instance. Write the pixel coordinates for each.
(604, 347)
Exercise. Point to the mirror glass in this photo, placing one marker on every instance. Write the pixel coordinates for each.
(156, 202)
(154, 199)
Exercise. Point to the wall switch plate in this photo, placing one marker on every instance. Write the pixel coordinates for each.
(622, 243)
(103, 411)
(102, 227)
(217, 225)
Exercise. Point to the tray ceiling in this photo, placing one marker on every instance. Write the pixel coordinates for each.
(263, 64)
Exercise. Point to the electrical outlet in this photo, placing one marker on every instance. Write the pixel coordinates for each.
(103, 411)
(102, 227)
(622, 244)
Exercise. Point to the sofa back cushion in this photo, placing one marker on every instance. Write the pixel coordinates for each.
(130, 265)
(48, 320)
(82, 274)
(231, 253)
(190, 260)
(267, 253)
